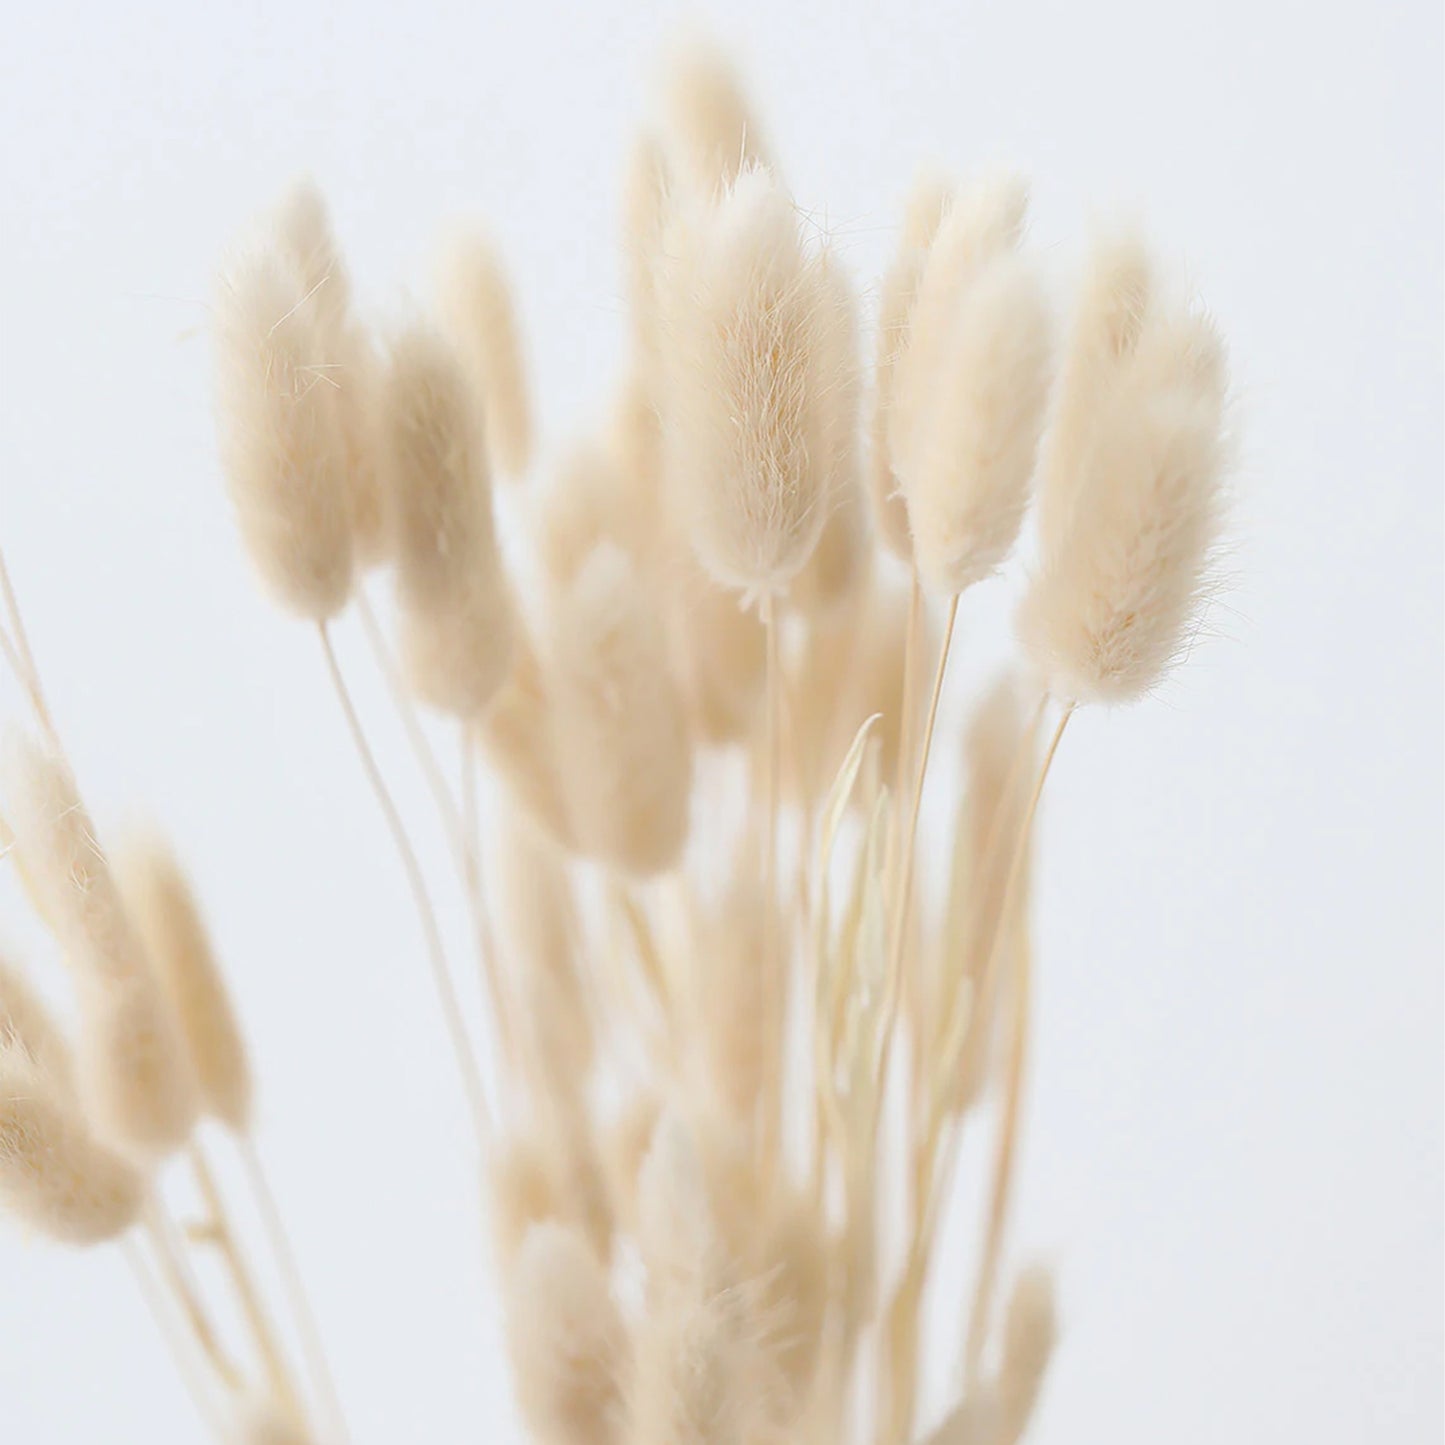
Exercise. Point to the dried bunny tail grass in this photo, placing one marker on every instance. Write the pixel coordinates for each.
(730, 997)
(677, 1226)
(984, 222)
(585, 504)
(1030, 1332)
(516, 733)
(168, 919)
(134, 1074)
(625, 1141)
(456, 612)
(538, 930)
(65, 868)
(928, 201)
(880, 674)
(523, 1189)
(282, 451)
(719, 655)
(840, 561)
(709, 132)
(348, 358)
(623, 749)
(1112, 605)
(53, 1175)
(27, 1026)
(975, 454)
(479, 313)
(793, 1266)
(566, 1340)
(1115, 296)
(751, 381)
(456, 657)
(260, 1421)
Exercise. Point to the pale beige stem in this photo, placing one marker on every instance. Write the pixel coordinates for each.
(285, 1256)
(1003, 1167)
(894, 977)
(466, 853)
(436, 954)
(248, 1294)
(182, 1285)
(182, 1348)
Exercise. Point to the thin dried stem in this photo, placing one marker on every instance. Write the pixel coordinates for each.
(16, 644)
(285, 1257)
(248, 1294)
(894, 985)
(466, 851)
(1002, 1185)
(436, 954)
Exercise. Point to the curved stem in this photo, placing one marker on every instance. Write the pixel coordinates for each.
(285, 1257)
(894, 977)
(1003, 1168)
(436, 954)
(181, 1348)
(248, 1295)
(458, 823)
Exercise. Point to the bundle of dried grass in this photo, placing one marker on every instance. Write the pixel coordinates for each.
(702, 681)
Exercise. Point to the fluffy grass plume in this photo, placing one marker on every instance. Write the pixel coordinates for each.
(745, 883)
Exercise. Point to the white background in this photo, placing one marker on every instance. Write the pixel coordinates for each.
(1234, 1151)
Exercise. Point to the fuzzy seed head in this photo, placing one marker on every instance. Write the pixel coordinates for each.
(928, 200)
(349, 361)
(457, 632)
(621, 733)
(480, 315)
(985, 222)
(566, 1339)
(27, 1027)
(710, 132)
(283, 452)
(1030, 1332)
(1115, 597)
(67, 871)
(133, 1067)
(53, 1175)
(749, 411)
(978, 441)
(168, 919)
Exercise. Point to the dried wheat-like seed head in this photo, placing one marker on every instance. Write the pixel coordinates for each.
(348, 362)
(839, 564)
(928, 201)
(539, 931)
(985, 221)
(283, 452)
(1114, 298)
(479, 313)
(66, 870)
(752, 373)
(621, 733)
(975, 457)
(523, 1189)
(566, 1339)
(586, 503)
(53, 1175)
(792, 1267)
(260, 1421)
(709, 130)
(133, 1067)
(1112, 604)
(168, 919)
(27, 1026)
(719, 654)
(456, 613)
(516, 733)
(1030, 1331)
